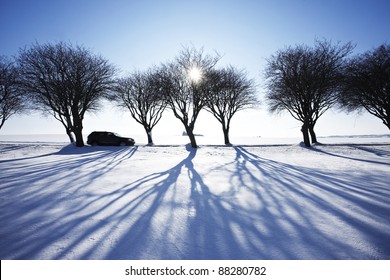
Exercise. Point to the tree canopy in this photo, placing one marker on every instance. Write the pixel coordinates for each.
(139, 93)
(305, 82)
(367, 83)
(65, 81)
(184, 92)
(12, 100)
(229, 92)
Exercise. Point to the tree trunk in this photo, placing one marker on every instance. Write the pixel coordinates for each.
(70, 134)
(149, 135)
(305, 132)
(79, 137)
(190, 133)
(226, 136)
(78, 132)
(386, 120)
(71, 138)
(2, 122)
(225, 130)
(312, 134)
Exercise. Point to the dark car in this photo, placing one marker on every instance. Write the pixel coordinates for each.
(108, 138)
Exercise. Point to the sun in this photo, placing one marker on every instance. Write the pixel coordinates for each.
(195, 74)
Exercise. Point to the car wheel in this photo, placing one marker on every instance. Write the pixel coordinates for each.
(122, 144)
(94, 143)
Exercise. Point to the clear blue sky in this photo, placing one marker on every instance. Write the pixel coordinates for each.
(136, 34)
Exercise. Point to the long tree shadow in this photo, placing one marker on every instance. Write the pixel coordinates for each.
(195, 228)
(363, 147)
(139, 239)
(260, 209)
(373, 148)
(303, 207)
(268, 210)
(37, 219)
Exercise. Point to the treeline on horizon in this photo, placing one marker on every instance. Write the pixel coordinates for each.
(67, 81)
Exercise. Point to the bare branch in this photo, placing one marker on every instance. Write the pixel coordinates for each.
(305, 81)
(66, 81)
(12, 100)
(229, 91)
(140, 94)
(185, 96)
(367, 84)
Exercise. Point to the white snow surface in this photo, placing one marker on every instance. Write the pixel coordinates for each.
(331, 201)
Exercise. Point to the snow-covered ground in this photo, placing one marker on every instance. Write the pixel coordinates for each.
(250, 201)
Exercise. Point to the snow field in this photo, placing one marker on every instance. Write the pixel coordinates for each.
(175, 202)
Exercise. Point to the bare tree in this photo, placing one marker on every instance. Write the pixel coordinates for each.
(229, 92)
(12, 100)
(184, 88)
(367, 84)
(65, 81)
(305, 81)
(139, 93)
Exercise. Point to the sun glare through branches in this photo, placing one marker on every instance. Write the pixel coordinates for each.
(195, 74)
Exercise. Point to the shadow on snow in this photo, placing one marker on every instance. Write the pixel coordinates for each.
(265, 210)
